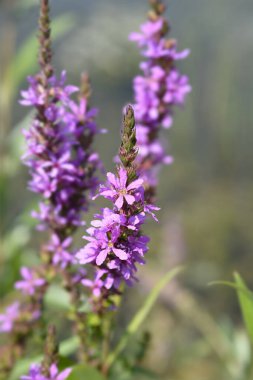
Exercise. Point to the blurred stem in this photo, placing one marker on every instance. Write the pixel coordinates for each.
(108, 329)
(78, 319)
(107, 324)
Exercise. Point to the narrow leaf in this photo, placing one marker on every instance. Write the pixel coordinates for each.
(237, 287)
(141, 315)
(246, 303)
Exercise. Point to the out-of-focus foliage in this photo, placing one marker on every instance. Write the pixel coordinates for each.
(245, 297)
(206, 196)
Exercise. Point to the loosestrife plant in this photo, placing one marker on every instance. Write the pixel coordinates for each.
(63, 167)
(157, 91)
(116, 242)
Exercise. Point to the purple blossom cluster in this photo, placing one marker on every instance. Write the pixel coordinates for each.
(35, 373)
(157, 91)
(19, 317)
(62, 164)
(115, 241)
(31, 281)
(8, 319)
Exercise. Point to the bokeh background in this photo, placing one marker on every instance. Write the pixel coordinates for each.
(206, 221)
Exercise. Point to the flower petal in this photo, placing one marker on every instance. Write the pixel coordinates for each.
(122, 177)
(119, 202)
(129, 198)
(122, 255)
(135, 184)
(101, 257)
(64, 374)
(112, 179)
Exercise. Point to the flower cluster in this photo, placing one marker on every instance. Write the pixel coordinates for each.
(62, 164)
(160, 87)
(115, 240)
(30, 281)
(63, 168)
(35, 373)
(7, 320)
(19, 318)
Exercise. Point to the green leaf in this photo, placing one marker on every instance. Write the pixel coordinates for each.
(57, 298)
(247, 292)
(246, 303)
(85, 372)
(245, 297)
(141, 315)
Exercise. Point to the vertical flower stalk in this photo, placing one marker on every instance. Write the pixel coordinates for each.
(116, 243)
(48, 369)
(45, 51)
(62, 162)
(157, 91)
(63, 168)
(60, 156)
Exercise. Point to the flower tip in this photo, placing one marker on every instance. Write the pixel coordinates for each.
(129, 110)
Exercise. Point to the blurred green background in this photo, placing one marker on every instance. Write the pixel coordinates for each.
(206, 221)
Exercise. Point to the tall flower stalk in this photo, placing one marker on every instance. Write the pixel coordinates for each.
(63, 167)
(157, 91)
(116, 243)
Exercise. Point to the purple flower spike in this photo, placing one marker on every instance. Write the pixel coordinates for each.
(115, 240)
(30, 281)
(159, 89)
(61, 161)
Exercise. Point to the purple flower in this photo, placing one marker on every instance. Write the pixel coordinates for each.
(59, 165)
(97, 284)
(149, 30)
(108, 220)
(118, 190)
(30, 281)
(35, 95)
(8, 319)
(54, 374)
(60, 253)
(115, 243)
(100, 246)
(177, 88)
